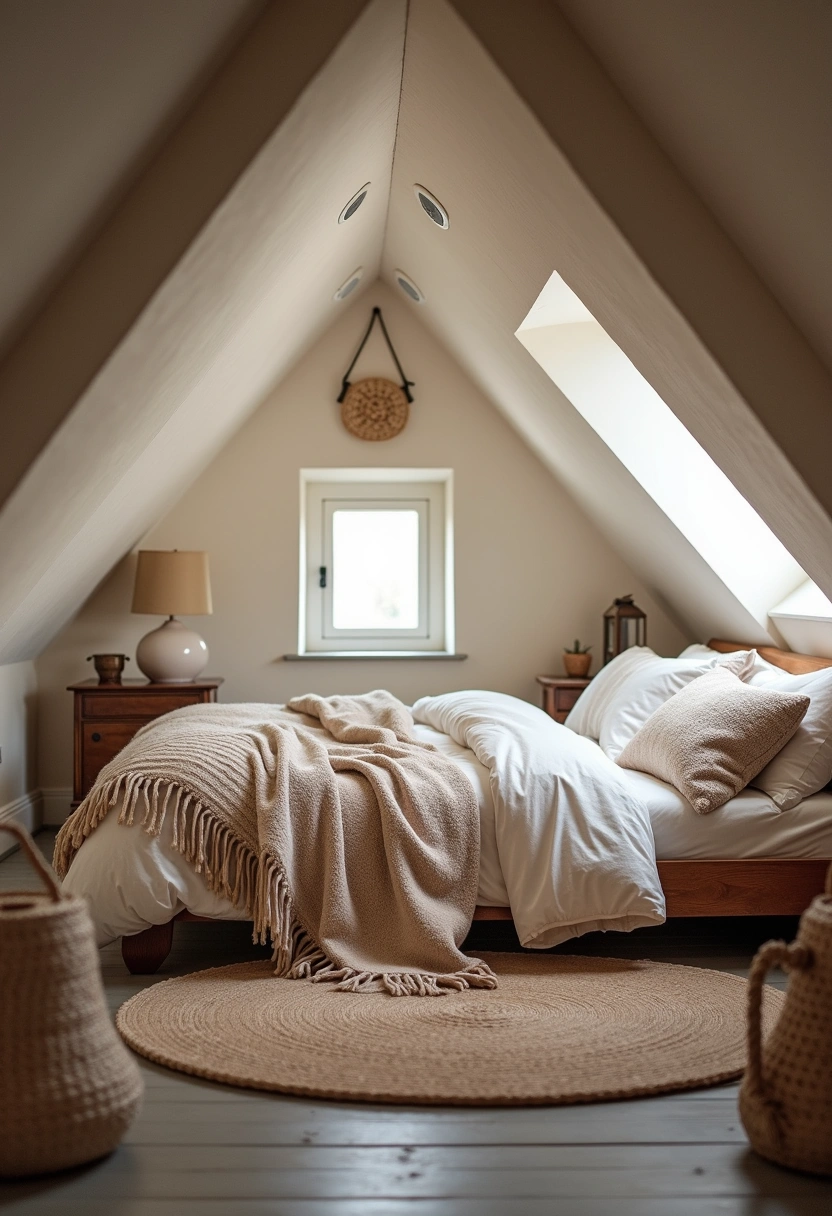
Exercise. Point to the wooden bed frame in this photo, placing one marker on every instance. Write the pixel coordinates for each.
(764, 886)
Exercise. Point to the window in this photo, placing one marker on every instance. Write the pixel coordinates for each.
(376, 561)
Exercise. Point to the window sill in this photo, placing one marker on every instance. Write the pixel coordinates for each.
(318, 655)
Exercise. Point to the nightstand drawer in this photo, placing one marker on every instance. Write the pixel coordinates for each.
(560, 694)
(107, 717)
(100, 742)
(132, 705)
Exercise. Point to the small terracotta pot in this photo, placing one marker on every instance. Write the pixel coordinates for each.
(577, 664)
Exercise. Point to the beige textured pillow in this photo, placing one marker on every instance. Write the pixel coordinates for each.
(713, 736)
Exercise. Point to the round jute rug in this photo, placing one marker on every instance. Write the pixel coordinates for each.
(558, 1029)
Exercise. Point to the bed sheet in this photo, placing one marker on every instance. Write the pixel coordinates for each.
(750, 825)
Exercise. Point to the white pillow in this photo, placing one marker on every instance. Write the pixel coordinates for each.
(629, 689)
(587, 715)
(654, 682)
(698, 651)
(804, 765)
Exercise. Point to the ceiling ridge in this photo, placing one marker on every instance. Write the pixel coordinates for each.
(395, 138)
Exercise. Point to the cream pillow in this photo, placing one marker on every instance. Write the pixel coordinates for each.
(655, 682)
(630, 688)
(804, 765)
(713, 737)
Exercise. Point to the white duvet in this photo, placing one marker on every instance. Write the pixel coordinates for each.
(566, 844)
(575, 845)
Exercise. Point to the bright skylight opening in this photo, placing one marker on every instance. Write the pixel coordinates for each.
(808, 603)
(659, 451)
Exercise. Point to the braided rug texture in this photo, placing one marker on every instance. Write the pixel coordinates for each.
(557, 1030)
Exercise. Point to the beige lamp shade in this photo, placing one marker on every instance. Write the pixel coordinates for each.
(172, 583)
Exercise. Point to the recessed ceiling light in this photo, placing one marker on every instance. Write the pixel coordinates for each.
(349, 285)
(432, 207)
(409, 287)
(350, 208)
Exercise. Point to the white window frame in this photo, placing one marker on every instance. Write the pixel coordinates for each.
(430, 492)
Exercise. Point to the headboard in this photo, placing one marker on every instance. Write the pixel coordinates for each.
(795, 664)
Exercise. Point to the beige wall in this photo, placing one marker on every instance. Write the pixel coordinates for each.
(18, 733)
(531, 571)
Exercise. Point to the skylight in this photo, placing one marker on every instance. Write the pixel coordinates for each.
(805, 620)
(658, 450)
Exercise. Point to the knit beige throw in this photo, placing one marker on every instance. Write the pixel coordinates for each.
(349, 842)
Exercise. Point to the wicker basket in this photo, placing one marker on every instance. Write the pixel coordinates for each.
(786, 1094)
(69, 1088)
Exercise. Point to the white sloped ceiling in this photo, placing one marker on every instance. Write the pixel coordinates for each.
(255, 288)
(756, 142)
(89, 89)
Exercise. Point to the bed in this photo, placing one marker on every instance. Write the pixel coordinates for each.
(747, 858)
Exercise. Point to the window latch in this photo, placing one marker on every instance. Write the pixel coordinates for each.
(322, 576)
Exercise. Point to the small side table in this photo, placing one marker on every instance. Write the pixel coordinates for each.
(560, 694)
(107, 717)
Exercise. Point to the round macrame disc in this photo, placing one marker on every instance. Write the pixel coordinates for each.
(558, 1029)
(374, 409)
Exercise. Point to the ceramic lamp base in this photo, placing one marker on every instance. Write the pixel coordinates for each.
(172, 654)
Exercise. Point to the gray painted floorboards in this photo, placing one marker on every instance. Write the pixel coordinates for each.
(200, 1149)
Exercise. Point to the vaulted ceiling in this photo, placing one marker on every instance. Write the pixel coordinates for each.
(89, 91)
(211, 252)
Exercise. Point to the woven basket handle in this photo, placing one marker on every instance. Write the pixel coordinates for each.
(33, 853)
(772, 954)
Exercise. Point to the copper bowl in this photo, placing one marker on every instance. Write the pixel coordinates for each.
(109, 667)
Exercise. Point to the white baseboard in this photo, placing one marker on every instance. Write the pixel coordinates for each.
(27, 810)
(55, 804)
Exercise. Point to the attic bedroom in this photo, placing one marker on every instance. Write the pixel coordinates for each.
(415, 606)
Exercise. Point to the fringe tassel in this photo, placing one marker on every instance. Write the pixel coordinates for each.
(260, 886)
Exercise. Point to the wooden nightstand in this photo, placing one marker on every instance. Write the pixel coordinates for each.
(560, 693)
(107, 717)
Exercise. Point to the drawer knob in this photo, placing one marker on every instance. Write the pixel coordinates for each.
(96, 738)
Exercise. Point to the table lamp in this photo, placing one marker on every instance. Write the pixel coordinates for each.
(170, 582)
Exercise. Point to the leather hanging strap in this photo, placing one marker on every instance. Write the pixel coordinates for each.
(406, 384)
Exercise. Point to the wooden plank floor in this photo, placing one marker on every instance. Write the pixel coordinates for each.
(200, 1149)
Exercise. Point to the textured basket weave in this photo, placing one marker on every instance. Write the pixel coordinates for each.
(374, 409)
(786, 1095)
(68, 1086)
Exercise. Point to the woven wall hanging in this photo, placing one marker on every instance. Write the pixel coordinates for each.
(375, 408)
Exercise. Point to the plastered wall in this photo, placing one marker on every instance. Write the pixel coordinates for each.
(18, 733)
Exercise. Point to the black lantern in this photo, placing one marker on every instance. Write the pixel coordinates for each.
(625, 625)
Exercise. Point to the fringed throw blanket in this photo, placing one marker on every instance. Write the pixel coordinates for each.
(351, 844)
